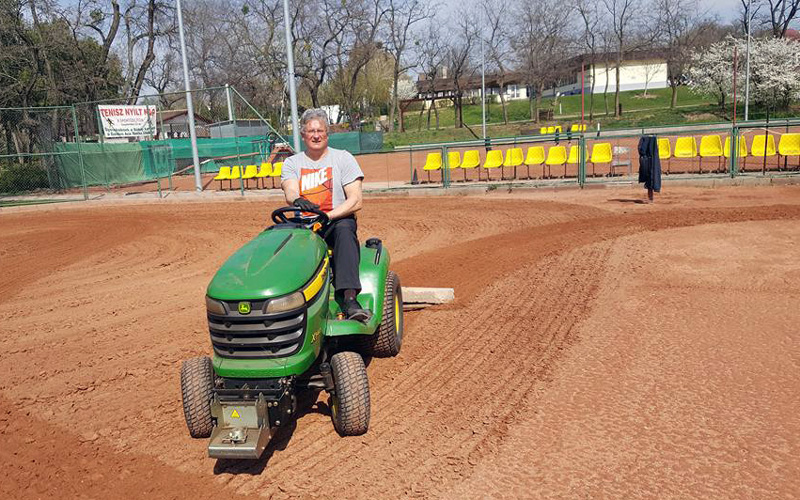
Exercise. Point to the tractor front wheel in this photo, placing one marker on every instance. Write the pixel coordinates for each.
(349, 402)
(197, 384)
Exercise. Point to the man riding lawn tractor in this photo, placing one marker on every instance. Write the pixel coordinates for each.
(283, 318)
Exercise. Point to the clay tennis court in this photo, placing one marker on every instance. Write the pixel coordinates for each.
(597, 348)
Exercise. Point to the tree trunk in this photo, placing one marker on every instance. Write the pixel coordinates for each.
(616, 91)
(503, 103)
(393, 109)
(150, 55)
(532, 109)
(674, 101)
(436, 113)
(539, 100)
(591, 91)
(605, 90)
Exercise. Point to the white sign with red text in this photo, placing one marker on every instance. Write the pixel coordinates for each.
(128, 121)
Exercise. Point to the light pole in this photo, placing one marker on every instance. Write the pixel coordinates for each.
(198, 182)
(290, 77)
(747, 65)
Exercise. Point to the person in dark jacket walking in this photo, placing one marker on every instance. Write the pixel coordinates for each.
(649, 165)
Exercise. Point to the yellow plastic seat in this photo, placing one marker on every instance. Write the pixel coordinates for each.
(236, 173)
(494, 159)
(710, 147)
(557, 155)
(574, 154)
(453, 159)
(264, 171)
(664, 148)
(577, 127)
(543, 130)
(514, 158)
(432, 162)
(763, 146)
(726, 150)
(276, 170)
(250, 172)
(224, 174)
(601, 153)
(789, 145)
(685, 147)
(534, 156)
(551, 130)
(472, 159)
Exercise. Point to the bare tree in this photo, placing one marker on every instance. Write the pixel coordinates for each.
(431, 54)
(401, 17)
(622, 13)
(498, 42)
(318, 30)
(680, 27)
(592, 19)
(459, 63)
(781, 13)
(143, 22)
(540, 28)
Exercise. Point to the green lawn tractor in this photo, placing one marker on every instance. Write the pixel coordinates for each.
(277, 330)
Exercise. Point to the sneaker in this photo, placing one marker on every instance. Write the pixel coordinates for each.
(353, 310)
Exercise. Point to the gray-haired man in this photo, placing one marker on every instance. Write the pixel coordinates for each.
(329, 179)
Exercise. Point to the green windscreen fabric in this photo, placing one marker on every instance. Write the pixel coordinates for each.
(212, 153)
(103, 164)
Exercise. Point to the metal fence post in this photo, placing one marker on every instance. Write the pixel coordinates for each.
(734, 152)
(80, 153)
(238, 152)
(582, 162)
(445, 168)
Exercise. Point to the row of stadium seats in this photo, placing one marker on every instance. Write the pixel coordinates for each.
(237, 172)
(556, 129)
(514, 157)
(711, 147)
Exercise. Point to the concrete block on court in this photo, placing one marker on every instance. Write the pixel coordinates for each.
(420, 296)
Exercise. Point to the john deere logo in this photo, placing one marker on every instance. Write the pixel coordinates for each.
(244, 307)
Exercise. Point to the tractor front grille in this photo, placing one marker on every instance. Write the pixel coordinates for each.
(255, 335)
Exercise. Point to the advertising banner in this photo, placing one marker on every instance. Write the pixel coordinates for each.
(128, 121)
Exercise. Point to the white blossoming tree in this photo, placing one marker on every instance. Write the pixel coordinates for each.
(774, 70)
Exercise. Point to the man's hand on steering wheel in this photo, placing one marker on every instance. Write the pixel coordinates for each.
(304, 204)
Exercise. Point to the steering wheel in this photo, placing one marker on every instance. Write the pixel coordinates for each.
(320, 217)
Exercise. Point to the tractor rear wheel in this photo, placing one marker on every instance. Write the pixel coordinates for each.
(197, 384)
(386, 342)
(349, 401)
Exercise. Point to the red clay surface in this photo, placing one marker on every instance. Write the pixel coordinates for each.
(597, 347)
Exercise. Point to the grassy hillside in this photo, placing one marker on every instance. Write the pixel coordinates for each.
(637, 111)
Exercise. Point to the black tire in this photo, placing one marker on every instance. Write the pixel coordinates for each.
(197, 384)
(386, 342)
(349, 403)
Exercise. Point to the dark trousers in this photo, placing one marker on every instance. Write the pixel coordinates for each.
(342, 237)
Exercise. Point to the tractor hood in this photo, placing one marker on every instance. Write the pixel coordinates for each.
(277, 262)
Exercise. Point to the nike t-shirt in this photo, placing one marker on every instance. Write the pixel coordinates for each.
(322, 182)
